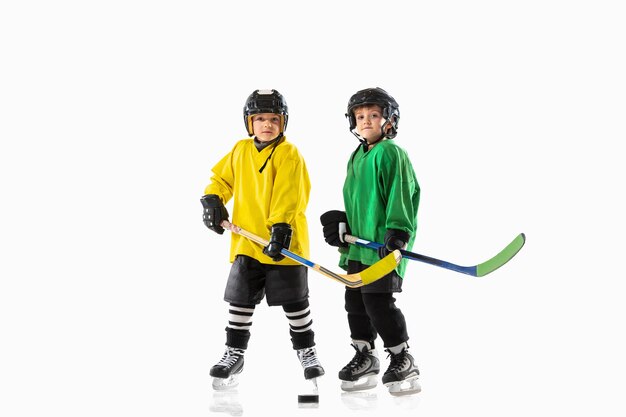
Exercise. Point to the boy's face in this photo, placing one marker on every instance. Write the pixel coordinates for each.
(266, 126)
(369, 121)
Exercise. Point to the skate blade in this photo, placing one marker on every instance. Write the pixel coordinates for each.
(314, 382)
(364, 383)
(407, 387)
(220, 384)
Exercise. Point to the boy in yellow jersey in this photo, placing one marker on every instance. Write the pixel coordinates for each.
(269, 182)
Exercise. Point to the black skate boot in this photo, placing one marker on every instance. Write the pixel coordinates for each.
(401, 376)
(360, 373)
(310, 363)
(226, 372)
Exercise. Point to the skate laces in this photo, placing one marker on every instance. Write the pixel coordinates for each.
(397, 360)
(308, 357)
(358, 359)
(230, 357)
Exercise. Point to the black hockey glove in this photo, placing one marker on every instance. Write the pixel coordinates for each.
(335, 226)
(394, 239)
(214, 212)
(280, 239)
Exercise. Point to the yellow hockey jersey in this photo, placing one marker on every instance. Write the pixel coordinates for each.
(279, 194)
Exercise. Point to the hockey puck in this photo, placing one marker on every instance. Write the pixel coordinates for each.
(308, 399)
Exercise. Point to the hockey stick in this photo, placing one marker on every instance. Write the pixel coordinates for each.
(479, 270)
(367, 276)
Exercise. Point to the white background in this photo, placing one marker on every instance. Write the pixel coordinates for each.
(112, 114)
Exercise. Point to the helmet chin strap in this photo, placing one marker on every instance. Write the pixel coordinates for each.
(364, 142)
(361, 140)
(269, 142)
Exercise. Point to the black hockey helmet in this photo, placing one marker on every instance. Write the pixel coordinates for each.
(265, 101)
(378, 96)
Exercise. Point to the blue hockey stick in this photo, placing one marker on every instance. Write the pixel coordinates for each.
(479, 270)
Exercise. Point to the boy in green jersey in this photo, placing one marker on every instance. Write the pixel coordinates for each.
(381, 195)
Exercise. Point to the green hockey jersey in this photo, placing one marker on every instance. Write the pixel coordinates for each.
(380, 192)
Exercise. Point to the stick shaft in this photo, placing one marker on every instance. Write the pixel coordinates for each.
(371, 274)
(479, 270)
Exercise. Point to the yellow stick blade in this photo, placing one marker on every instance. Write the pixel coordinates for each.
(381, 268)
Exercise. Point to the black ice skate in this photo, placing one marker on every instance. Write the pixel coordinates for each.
(361, 372)
(401, 376)
(310, 363)
(226, 372)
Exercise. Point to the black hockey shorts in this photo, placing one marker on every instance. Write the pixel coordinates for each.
(250, 280)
